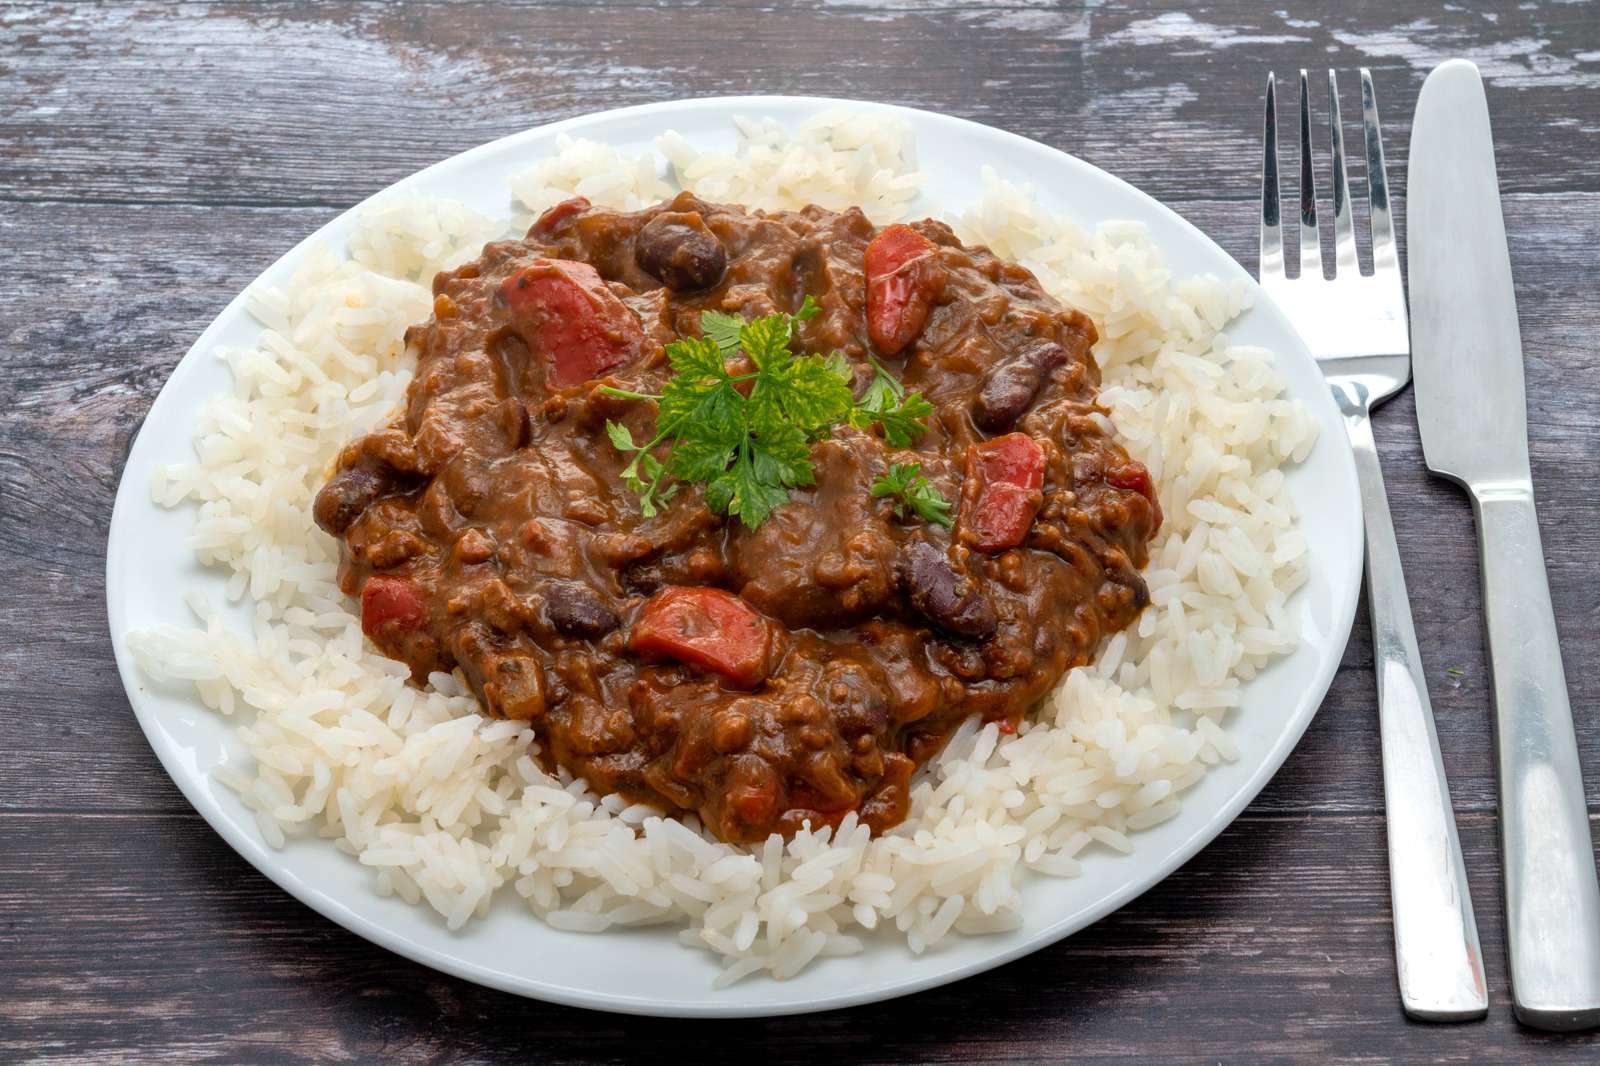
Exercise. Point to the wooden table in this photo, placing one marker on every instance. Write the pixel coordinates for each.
(153, 160)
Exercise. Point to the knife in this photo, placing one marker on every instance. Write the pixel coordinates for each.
(1471, 409)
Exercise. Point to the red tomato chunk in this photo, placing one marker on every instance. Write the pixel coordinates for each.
(1002, 494)
(904, 278)
(754, 806)
(554, 216)
(568, 315)
(391, 603)
(1135, 477)
(708, 628)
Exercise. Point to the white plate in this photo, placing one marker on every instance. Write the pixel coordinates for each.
(647, 971)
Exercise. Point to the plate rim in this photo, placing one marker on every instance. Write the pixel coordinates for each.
(264, 858)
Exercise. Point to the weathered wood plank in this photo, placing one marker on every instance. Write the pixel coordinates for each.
(79, 380)
(305, 103)
(1272, 945)
(76, 385)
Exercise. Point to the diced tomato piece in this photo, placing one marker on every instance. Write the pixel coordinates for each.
(1015, 458)
(554, 216)
(904, 278)
(1135, 477)
(391, 603)
(754, 806)
(708, 628)
(566, 313)
(1002, 519)
(1002, 491)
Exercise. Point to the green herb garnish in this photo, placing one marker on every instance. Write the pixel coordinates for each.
(913, 493)
(748, 446)
(725, 328)
(901, 414)
(645, 474)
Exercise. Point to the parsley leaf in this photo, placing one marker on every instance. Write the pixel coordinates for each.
(766, 341)
(913, 493)
(645, 473)
(747, 434)
(803, 391)
(906, 421)
(902, 415)
(763, 471)
(885, 390)
(748, 446)
(726, 330)
(621, 439)
(723, 330)
(700, 396)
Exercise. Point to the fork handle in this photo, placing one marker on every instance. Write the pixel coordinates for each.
(1552, 898)
(1435, 936)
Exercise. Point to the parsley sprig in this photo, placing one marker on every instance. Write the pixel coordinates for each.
(903, 415)
(751, 445)
(913, 494)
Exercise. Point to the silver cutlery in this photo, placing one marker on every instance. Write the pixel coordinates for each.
(1355, 325)
(1473, 416)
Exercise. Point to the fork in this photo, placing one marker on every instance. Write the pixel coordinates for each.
(1355, 325)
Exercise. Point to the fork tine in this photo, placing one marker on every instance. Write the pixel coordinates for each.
(1310, 239)
(1384, 253)
(1344, 232)
(1271, 262)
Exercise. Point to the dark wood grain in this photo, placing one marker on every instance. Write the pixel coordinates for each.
(296, 103)
(154, 158)
(1272, 945)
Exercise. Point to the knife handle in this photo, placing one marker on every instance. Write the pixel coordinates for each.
(1436, 946)
(1552, 895)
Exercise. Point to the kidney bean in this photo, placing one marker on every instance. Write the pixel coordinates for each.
(1012, 385)
(352, 490)
(946, 598)
(677, 249)
(577, 610)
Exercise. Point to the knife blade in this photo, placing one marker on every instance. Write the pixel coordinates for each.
(1472, 414)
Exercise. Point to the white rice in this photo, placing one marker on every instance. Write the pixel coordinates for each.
(449, 807)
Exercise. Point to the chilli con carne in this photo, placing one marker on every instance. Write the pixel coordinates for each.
(763, 677)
